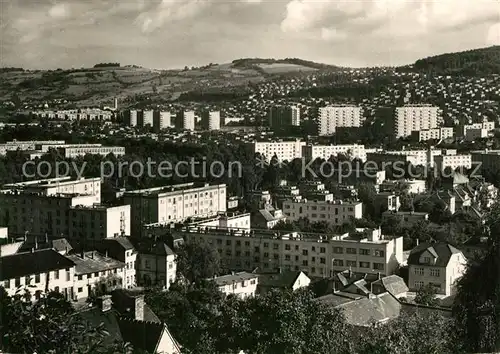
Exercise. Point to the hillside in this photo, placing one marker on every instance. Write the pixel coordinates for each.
(483, 61)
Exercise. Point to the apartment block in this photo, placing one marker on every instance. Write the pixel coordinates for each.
(283, 150)
(57, 186)
(185, 120)
(93, 270)
(96, 222)
(147, 117)
(365, 251)
(229, 221)
(331, 117)
(453, 161)
(162, 120)
(283, 116)
(211, 120)
(485, 125)
(433, 134)
(313, 152)
(25, 145)
(240, 284)
(437, 264)
(335, 213)
(133, 118)
(412, 118)
(486, 159)
(38, 271)
(173, 204)
(69, 151)
(474, 134)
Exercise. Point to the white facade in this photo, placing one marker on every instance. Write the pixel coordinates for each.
(453, 162)
(174, 204)
(312, 152)
(71, 152)
(241, 284)
(331, 117)
(147, 117)
(211, 120)
(133, 118)
(283, 150)
(165, 120)
(318, 255)
(335, 213)
(230, 222)
(412, 118)
(99, 222)
(188, 120)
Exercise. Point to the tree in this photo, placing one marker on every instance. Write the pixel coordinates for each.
(426, 295)
(49, 325)
(197, 261)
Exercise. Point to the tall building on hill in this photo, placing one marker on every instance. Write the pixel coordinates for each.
(185, 120)
(211, 120)
(412, 118)
(283, 116)
(332, 117)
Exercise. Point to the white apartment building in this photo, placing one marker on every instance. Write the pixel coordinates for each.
(147, 117)
(312, 152)
(133, 118)
(173, 204)
(94, 270)
(211, 120)
(82, 150)
(25, 145)
(452, 160)
(283, 150)
(437, 264)
(98, 221)
(412, 118)
(486, 125)
(38, 271)
(336, 213)
(434, 134)
(164, 120)
(318, 255)
(226, 221)
(331, 117)
(186, 120)
(240, 284)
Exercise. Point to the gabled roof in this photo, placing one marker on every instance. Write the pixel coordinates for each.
(234, 278)
(141, 334)
(158, 248)
(94, 262)
(366, 311)
(394, 285)
(442, 250)
(29, 263)
(285, 279)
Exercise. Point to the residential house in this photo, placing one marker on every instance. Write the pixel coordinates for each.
(241, 284)
(268, 217)
(156, 264)
(283, 280)
(438, 264)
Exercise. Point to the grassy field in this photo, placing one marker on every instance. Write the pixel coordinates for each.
(279, 68)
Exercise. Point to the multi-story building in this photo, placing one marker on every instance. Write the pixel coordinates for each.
(365, 251)
(38, 271)
(412, 118)
(240, 284)
(406, 218)
(93, 270)
(283, 116)
(57, 186)
(474, 134)
(133, 118)
(185, 120)
(283, 150)
(211, 120)
(147, 118)
(156, 264)
(162, 120)
(485, 125)
(313, 152)
(331, 117)
(25, 145)
(433, 134)
(315, 190)
(437, 264)
(69, 151)
(451, 160)
(337, 212)
(98, 222)
(172, 204)
(121, 249)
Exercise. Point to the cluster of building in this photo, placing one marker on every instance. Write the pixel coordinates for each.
(185, 120)
(83, 114)
(33, 149)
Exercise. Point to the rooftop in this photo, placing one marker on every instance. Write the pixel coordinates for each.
(234, 278)
(442, 252)
(192, 186)
(94, 262)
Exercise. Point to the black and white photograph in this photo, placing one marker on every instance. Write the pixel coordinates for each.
(249, 176)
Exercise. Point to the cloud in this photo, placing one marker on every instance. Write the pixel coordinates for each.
(493, 37)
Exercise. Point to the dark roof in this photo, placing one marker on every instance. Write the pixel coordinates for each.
(109, 319)
(141, 334)
(29, 263)
(337, 298)
(441, 250)
(285, 279)
(158, 248)
(59, 245)
(94, 262)
(116, 247)
(234, 278)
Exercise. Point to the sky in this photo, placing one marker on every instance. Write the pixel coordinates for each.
(164, 34)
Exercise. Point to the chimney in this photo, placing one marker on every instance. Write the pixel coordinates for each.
(417, 241)
(139, 307)
(106, 253)
(83, 254)
(280, 271)
(105, 303)
(46, 238)
(36, 242)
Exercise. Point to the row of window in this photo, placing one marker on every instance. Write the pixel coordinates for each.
(36, 279)
(433, 272)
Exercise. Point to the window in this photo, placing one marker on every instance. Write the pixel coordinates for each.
(37, 278)
(338, 262)
(419, 284)
(322, 260)
(350, 250)
(379, 253)
(80, 290)
(304, 263)
(419, 271)
(434, 272)
(304, 252)
(147, 264)
(322, 249)
(7, 284)
(364, 264)
(378, 266)
(287, 257)
(351, 263)
(80, 277)
(287, 247)
(364, 251)
(339, 250)
(276, 246)
(427, 260)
